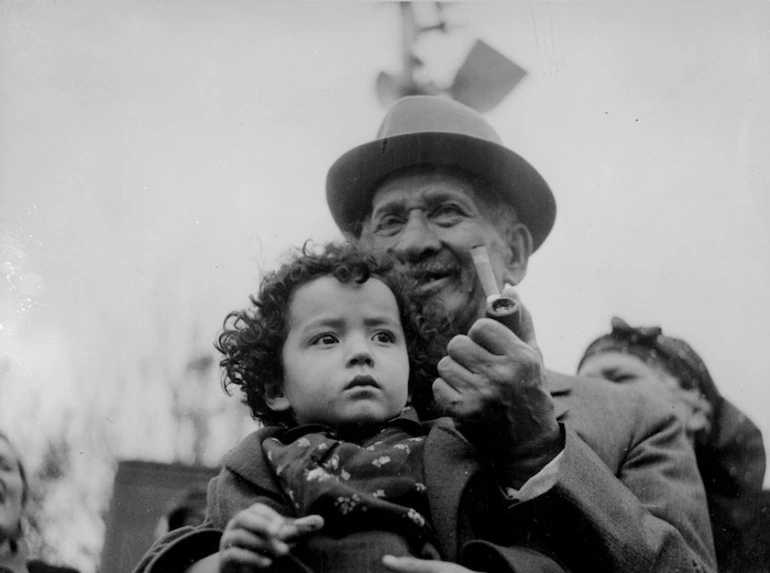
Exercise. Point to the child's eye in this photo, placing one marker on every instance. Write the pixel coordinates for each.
(324, 340)
(384, 336)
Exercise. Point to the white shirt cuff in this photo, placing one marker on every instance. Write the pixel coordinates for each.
(538, 484)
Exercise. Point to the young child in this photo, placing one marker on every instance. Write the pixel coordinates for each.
(344, 473)
(728, 446)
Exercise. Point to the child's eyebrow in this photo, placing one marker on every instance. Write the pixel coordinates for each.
(324, 322)
(381, 319)
(339, 323)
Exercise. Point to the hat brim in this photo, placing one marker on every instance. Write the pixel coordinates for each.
(354, 177)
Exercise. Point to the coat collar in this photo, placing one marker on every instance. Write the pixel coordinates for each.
(560, 386)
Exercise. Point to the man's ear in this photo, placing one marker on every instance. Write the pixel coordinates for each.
(275, 399)
(519, 241)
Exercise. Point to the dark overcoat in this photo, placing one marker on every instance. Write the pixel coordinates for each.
(628, 497)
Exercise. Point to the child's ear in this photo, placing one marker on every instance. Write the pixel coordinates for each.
(275, 399)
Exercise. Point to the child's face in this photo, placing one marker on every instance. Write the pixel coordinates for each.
(344, 359)
(689, 405)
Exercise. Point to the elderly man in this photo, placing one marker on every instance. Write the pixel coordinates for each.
(603, 473)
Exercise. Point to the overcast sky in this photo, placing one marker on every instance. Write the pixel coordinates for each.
(166, 153)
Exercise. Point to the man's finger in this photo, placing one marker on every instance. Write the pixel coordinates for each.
(445, 394)
(526, 328)
(493, 337)
(449, 400)
(455, 371)
(469, 363)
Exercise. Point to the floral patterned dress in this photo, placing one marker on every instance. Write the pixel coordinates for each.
(372, 483)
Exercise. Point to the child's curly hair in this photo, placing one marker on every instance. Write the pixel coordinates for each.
(252, 339)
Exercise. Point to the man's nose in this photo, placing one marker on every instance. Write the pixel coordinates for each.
(417, 237)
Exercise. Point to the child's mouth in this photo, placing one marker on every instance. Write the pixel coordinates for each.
(363, 380)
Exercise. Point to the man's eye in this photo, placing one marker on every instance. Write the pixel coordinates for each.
(448, 213)
(388, 224)
(384, 337)
(324, 340)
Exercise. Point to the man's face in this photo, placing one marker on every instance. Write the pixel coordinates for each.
(431, 220)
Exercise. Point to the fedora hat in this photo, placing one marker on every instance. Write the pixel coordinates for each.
(438, 132)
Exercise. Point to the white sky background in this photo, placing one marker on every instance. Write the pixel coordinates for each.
(160, 155)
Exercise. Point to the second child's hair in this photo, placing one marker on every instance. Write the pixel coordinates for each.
(252, 339)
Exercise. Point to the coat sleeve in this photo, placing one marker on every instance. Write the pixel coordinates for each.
(179, 549)
(244, 480)
(732, 464)
(629, 497)
(733, 460)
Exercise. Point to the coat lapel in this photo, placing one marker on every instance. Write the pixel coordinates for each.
(450, 462)
(248, 461)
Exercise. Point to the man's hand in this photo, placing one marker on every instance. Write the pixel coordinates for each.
(493, 382)
(415, 565)
(257, 535)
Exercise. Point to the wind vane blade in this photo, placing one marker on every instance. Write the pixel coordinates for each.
(485, 78)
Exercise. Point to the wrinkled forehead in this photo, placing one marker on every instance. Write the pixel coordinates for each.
(427, 182)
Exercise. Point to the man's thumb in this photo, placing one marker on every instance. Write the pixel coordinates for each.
(525, 329)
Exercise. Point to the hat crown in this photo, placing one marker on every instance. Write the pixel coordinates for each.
(421, 114)
(441, 133)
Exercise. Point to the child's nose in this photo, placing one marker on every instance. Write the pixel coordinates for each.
(360, 354)
(361, 359)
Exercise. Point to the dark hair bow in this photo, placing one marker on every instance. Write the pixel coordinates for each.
(641, 334)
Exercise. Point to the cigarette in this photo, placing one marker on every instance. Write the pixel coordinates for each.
(484, 271)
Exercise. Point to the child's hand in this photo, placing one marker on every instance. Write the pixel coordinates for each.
(257, 535)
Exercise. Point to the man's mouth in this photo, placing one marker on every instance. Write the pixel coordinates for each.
(362, 381)
(433, 276)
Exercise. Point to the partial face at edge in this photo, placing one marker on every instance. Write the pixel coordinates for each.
(11, 491)
(691, 408)
(431, 220)
(345, 360)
